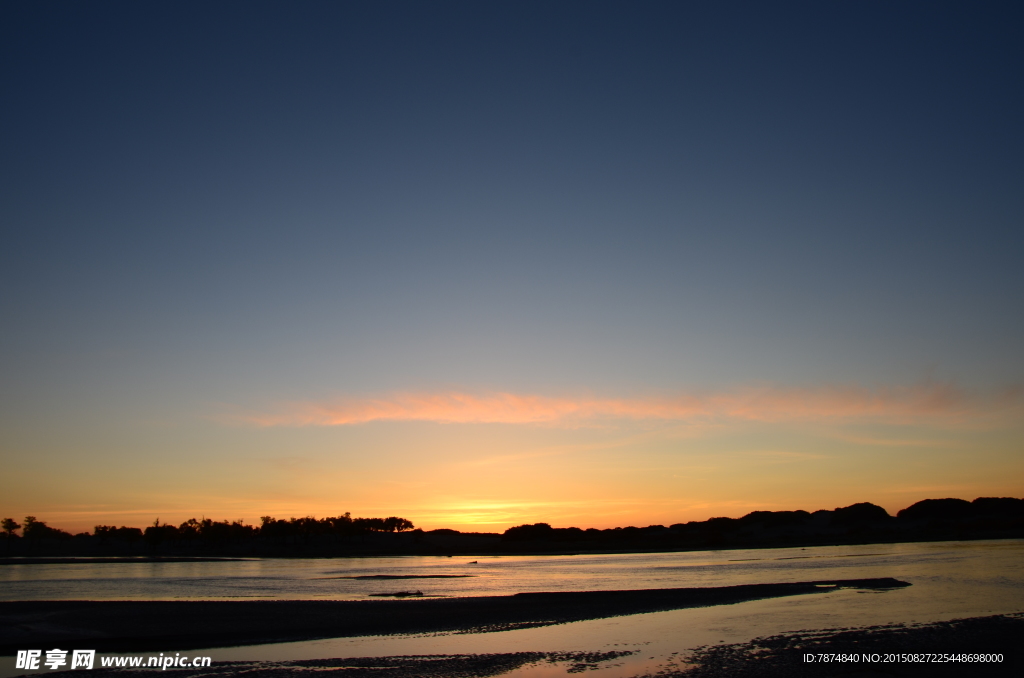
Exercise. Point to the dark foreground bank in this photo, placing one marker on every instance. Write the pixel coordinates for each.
(942, 649)
(123, 626)
(779, 656)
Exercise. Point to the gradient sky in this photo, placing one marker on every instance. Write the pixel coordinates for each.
(479, 264)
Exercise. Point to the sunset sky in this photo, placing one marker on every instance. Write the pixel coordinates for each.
(486, 263)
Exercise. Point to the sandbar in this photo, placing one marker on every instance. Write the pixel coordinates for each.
(128, 625)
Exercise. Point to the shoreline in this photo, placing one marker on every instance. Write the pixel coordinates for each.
(102, 560)
(778, 656)
(121, 626)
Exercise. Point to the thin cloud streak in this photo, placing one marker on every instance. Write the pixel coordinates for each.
(762, 404)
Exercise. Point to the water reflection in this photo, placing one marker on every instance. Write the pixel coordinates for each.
(359, 578)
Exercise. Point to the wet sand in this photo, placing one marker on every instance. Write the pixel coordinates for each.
(127, 626)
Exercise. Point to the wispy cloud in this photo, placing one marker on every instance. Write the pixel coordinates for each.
(784, 456)
(765, 403)
(894, 442)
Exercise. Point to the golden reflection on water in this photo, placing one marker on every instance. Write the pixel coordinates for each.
(949, 580)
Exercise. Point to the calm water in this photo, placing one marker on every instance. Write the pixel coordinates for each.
(950, 580)
(336, 578)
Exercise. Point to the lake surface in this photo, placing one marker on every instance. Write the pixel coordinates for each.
(950, 580)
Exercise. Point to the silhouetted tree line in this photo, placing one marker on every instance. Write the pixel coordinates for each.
(340, 525)
(207, 532)
(31, 529)
(930, 519)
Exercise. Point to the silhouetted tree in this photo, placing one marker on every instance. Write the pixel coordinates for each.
(396, 524)
(37, 529)
(9, 526)
(157, 533)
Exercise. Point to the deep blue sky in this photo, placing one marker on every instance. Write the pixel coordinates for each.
(238, 203)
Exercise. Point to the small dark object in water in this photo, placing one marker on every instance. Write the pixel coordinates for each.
(400, 594)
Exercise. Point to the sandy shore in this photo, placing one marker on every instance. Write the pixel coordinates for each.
(124, 626)
(779, 656)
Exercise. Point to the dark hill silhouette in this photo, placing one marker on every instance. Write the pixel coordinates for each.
(927, 520)
(1006, 506)
(860, 514)
(945, 510)
(937, 509)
